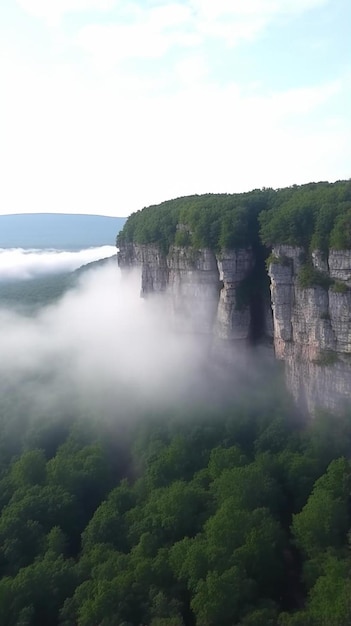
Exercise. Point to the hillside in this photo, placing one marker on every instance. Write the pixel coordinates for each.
(58, 230)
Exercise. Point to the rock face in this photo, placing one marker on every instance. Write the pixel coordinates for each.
(233, 316)
(312, 326)
(193, 288)
(154, 270)
(202, 288)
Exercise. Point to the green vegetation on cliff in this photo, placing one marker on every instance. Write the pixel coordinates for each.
(214, 221)
(313, 216)
(316, 215)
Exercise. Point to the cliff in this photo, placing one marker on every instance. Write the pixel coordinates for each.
(205, 291)
(207, 256)
(312, 324)
(310, 327)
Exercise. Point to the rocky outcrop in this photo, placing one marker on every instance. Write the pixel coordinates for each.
(233, 314)
(202, 289)
(312, 326)
(193, 288)
(151, 260)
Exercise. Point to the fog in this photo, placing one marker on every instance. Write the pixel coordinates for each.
(100, 349)
(19, 263)
(103, 351)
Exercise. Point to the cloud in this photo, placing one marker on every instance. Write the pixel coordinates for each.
(193, 70)
(153, 101)
(143, 31)
(101, 349)
(118, 143)
(119, 146)
(150, 34)
(53, 11)
(16, 263)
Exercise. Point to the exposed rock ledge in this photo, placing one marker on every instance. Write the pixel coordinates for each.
(312, 327)
(202, 288)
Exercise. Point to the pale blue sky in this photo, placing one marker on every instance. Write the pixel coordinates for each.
(111, 105)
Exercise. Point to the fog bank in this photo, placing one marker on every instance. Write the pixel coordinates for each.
(100, 349)
(20, 263)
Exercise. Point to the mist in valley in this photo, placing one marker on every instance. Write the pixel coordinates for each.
(102, 351)
(126, 438)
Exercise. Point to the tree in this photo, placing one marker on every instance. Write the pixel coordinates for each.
(221, 598)
(324, 520)
(330, 599)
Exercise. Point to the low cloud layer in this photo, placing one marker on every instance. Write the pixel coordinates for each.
(17, 263)
(101, 350)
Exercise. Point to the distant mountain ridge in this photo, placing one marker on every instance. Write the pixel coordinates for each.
(58, 230)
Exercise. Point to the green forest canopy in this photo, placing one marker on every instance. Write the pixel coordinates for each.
(313, 216)
(236, 517)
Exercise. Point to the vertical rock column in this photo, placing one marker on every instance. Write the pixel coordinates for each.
(312, 326)
(193, 288)
(233, 314)
(154, 270)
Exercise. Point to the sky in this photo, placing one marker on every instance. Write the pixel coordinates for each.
(108, 106)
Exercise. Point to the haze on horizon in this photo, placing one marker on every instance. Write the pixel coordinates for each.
(108, 107)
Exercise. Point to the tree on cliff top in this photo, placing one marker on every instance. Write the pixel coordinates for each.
(316, 215)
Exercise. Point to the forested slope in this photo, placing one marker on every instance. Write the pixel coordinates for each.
(201, 517)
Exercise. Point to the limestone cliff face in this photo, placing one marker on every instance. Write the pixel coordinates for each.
(233, 317)
(151, 260)
(202, 289)
(312, 326)
(193, 287)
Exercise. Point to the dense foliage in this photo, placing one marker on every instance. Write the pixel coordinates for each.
(214, 220)
(317, 215)
(313, 216)
(234, 516)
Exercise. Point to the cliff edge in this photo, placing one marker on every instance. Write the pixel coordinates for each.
(262, 268)
(312, 324)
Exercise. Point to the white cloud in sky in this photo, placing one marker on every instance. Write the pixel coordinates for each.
(151, 34)
(17, 263)
(153, 101)
(80, 148)
(151, 31)
(52, 11)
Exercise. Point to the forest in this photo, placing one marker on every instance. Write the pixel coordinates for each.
(312, 216)
(232, 514)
